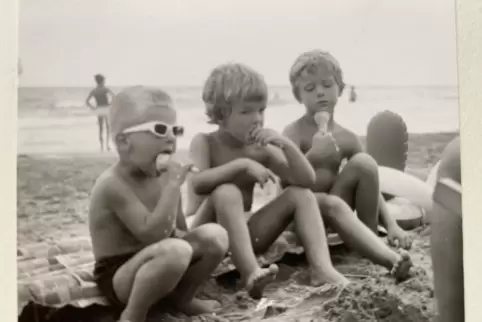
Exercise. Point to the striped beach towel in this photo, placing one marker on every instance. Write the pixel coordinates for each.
(60, 273)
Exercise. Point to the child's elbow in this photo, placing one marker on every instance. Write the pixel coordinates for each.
(198, 187)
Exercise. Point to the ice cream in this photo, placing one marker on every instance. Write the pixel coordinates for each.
(163, 159)
(322, 119)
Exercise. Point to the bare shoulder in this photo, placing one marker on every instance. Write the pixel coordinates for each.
(348, 140)
(200, 140)
(345, 133)
(292, 128)
(107, 188)
(294, 131)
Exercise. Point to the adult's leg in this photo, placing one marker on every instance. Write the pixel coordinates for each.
(210, 244)
(107, 133)
(100, 123)
(359, 237)
(358, 186)
(228, 205)
(447, 237)
(298, 205)
(151, 275)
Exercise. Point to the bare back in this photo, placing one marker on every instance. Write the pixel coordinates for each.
(101, 96)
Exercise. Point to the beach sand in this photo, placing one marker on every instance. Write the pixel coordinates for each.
(53, 193)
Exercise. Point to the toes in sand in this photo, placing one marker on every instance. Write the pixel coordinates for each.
(335, 278)
(259, 279)
(401, 269)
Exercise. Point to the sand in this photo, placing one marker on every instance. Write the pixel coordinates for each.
(53, 192)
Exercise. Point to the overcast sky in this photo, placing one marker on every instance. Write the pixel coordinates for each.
(177, 42)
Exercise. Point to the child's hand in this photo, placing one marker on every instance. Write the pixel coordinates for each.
(397, 237)
(259, 172)
(325, 144)
(175, 172)
(264, 137)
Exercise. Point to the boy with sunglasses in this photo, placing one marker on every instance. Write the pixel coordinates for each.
(241, 153)
(317, 81)
(142, 248)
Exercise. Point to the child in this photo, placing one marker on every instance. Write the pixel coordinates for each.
(317, 82)
(142, 249)
(241, 153)
(100, 94)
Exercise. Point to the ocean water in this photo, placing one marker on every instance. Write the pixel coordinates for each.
(54, 120)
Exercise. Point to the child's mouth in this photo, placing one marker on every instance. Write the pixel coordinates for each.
(250, 138)
(322, 103)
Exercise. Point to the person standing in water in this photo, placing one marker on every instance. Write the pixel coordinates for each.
(352, 94)
(101, 95)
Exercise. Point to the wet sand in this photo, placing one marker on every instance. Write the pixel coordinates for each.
(53, 192)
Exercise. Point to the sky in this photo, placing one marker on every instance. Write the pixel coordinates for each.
(178, 42)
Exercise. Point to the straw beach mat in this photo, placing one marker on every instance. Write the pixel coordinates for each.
(57, 277)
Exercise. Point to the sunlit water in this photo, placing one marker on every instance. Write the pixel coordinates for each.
(56, 121)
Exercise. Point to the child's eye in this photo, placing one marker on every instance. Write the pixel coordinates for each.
(328, 83)
(309, 87)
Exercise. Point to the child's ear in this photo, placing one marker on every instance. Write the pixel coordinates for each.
(340, 89)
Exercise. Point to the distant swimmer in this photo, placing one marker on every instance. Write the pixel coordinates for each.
(101, 95)
(352, 94)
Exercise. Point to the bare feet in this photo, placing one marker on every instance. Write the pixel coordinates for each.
(258, 280)
(401, 268)
(334, 278)
(198, 306)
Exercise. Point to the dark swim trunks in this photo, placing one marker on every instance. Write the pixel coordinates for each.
(104, 272)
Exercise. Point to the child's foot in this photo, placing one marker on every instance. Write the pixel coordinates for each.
(258, 280)
(401, 268)
(198, 306)
(335, 278)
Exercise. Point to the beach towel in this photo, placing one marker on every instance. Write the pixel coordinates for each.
(58, 274)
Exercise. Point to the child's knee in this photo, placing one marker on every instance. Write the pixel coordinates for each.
(336, 207)
(213, 239)
(176, 252)
(298, 195)
(227, 193)
(364, 164)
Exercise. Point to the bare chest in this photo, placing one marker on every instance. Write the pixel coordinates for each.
(149, 193)
(342, 139)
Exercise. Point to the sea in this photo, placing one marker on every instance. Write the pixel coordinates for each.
(55, 120)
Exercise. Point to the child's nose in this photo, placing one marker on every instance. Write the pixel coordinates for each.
(320, 91)
(259, 117)
(170, 135)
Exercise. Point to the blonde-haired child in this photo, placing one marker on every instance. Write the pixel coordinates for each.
(141, 245)
(317, 82)
(241, 153)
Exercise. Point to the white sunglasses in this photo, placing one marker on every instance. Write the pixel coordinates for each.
(159, 129)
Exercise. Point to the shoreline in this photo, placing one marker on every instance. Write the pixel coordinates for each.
(413, 138)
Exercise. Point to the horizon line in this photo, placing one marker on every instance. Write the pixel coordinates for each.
(269, 85)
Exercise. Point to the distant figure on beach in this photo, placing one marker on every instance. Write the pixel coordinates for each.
(317, 83)
(447, 238)
(101, 96)
(352, 94)
(241, 153)
(143, 250)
